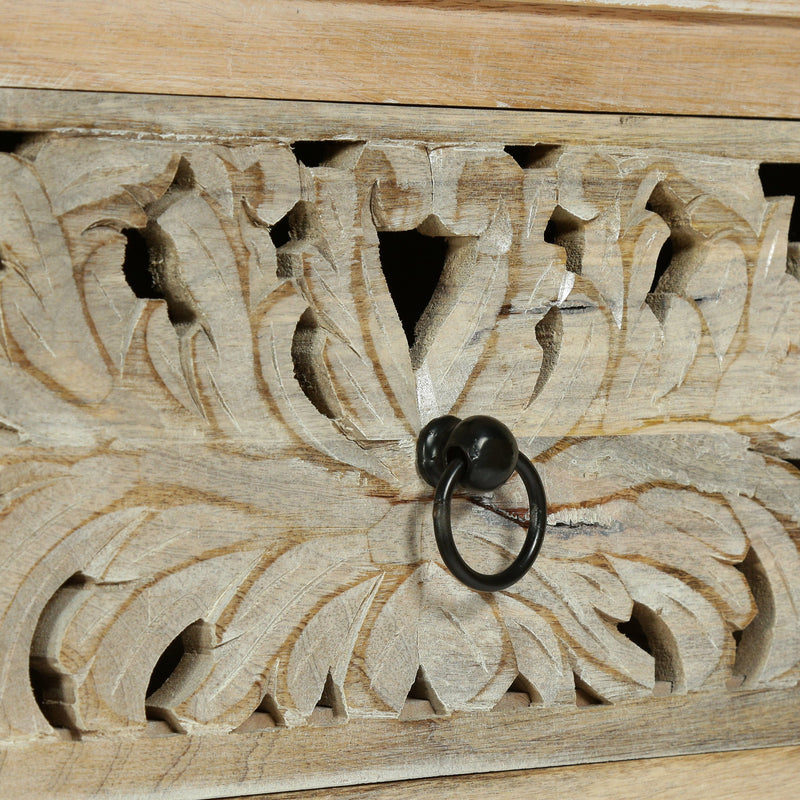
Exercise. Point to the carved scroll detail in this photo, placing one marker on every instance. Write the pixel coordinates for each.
(208, 411)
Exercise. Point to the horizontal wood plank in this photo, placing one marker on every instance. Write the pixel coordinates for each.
(770, 774)
(445, 54)
(278, 759)
(154, 116)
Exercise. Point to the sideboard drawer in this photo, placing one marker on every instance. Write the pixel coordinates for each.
(222, 330)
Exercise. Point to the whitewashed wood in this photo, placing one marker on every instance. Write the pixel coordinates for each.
(233, 460)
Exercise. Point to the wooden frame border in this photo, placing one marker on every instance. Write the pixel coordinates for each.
(154, 116)
(589, 57)
(281, 759)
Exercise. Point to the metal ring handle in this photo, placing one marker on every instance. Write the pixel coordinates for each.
(443, 530)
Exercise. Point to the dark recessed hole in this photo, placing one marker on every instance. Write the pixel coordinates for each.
(412, 265)
(178, 671)
(585, 695)
(136, 266)
(166, 665)
(280, 232)
(647, 630)
(566, 230)
(534, 156)
(781, 180)
(663, 261)
(13, 141)
(324, 153)
(677, 259)
(52, 688)
(149, 267)
(634, 631)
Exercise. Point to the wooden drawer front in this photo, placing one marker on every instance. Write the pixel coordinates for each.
(217, 351)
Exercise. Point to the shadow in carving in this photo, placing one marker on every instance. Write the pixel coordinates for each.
(535, 156)
(412, 264)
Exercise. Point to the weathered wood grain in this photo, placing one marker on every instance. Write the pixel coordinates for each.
(277, 759)
(210, 400)
(487, 54)
(158, 117)
(770, 774)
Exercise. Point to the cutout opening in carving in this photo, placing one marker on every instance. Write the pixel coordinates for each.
(308, 344)
(647, 630)
(422, 701)
(330, 708)
(566, 230)
(678, 255)
(151, 265)
(783, 180)
(136, 266)
(150, 269)
(585, 695)
(665, 256)
(520, 694)
(330, 153)
(633, 630)
(25, 144)
(11, 141)
(166, 665)
(752, 641)
(266, 717)
(52, 688)
(280, 232)
(412, 265)
(534, 156)
(177, 671)
(549, 331)
(299, 223)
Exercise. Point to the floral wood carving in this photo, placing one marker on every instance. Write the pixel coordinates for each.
(208, 411)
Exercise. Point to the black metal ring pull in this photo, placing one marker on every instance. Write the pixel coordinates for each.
(479, 454)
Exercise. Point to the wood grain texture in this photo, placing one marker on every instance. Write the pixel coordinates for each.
(209, 406)
(231, 119)
(451, 54)
(769, 774)
(277, 759)
(761, 8)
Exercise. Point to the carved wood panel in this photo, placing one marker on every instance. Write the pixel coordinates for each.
(216, 356)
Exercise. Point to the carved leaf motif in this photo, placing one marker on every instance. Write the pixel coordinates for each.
(42, 311)
(701, 637)
(325, 647)
(47, 506)
(722, 279)
(434, 622)
(456, 325)
(280, 528)
(770, 651)
(252, 630)
(539, 657)
(121, 175)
